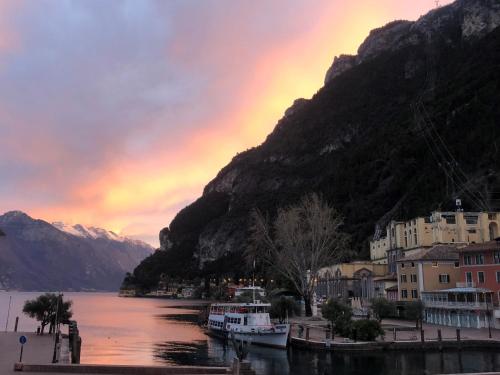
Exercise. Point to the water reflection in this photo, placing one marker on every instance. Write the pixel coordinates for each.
(154, 331)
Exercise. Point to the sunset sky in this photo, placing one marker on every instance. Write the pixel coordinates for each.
(117, 113)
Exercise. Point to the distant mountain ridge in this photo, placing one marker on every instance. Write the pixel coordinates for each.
(37, 255)
(360, 141)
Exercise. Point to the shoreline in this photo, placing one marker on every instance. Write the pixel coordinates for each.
(321, 346)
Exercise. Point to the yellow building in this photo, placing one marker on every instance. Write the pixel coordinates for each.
(427, 269)
(350, 280)
(440, 227)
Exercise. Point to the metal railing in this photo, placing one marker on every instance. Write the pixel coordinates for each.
(469, 305)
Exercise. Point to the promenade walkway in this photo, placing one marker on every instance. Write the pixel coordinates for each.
(38, 349)
(397, 331)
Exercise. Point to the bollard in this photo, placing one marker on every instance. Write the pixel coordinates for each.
(307, 333)
(422, 336)
(458, 338)
(394, 334)
(15, 325)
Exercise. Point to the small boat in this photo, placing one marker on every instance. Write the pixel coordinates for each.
(247, 322)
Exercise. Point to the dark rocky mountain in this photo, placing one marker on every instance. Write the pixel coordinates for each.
(36, 255)
(400, 129)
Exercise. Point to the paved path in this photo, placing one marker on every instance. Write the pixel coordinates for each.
(38, 349)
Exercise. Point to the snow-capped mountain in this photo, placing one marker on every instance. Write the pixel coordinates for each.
(91, 232)
(37, 255)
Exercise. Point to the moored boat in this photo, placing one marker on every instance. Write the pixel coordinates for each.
(247, 322)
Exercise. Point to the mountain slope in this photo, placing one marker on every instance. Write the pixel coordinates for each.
(35, 255)
(390, 135)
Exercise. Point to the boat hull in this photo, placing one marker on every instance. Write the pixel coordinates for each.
(277, 340)
(273, 340)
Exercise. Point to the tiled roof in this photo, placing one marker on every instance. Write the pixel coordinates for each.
(491, 245)
(437, 252)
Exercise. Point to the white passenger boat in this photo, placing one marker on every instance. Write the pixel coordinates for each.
(249, 322)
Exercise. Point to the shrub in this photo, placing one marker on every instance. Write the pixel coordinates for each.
(366, 330)
(382, 308)
(339, 315)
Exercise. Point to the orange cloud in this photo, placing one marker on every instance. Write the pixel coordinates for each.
(138, 196)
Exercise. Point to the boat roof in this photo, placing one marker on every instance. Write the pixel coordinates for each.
(252, 304)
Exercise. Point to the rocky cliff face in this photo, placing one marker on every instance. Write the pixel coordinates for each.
(36, 255)
(358, 143)
(464, 19)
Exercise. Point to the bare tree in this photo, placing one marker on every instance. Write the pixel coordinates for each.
(301, 240)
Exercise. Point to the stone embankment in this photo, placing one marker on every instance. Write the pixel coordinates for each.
(238, 368)
(399, 335)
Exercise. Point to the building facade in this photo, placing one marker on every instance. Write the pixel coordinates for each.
(480, 267)
(406, 237)
(428, 269)
(459, 307)
(349, 280)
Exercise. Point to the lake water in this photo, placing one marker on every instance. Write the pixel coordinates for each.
(154, 331)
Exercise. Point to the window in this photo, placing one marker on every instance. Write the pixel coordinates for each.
(457, 264)
(498, 276)
(492, 216)
(444, 279)
(470, 220)
(468, 277)
(413, 277)
(402, 265)
(467, 260)
(414, 293)
(415, 237)
(480, 277)
(471, 230)
(412, 264)
(496, 257)
(450, 219)
(402, 278)
(404, 293)
(479, 259)
(434, 264)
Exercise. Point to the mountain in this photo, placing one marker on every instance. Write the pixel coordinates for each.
(398, 130)
(36, 255)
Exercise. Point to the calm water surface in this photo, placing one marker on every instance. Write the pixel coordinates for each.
(154, 331)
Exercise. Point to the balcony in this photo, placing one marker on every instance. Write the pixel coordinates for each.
(459, 305)
(467, 284)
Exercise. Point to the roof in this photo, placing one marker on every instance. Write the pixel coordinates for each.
(461, 290)
(491, 245)
(392, 288)
(386, 278)
(437, 252)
